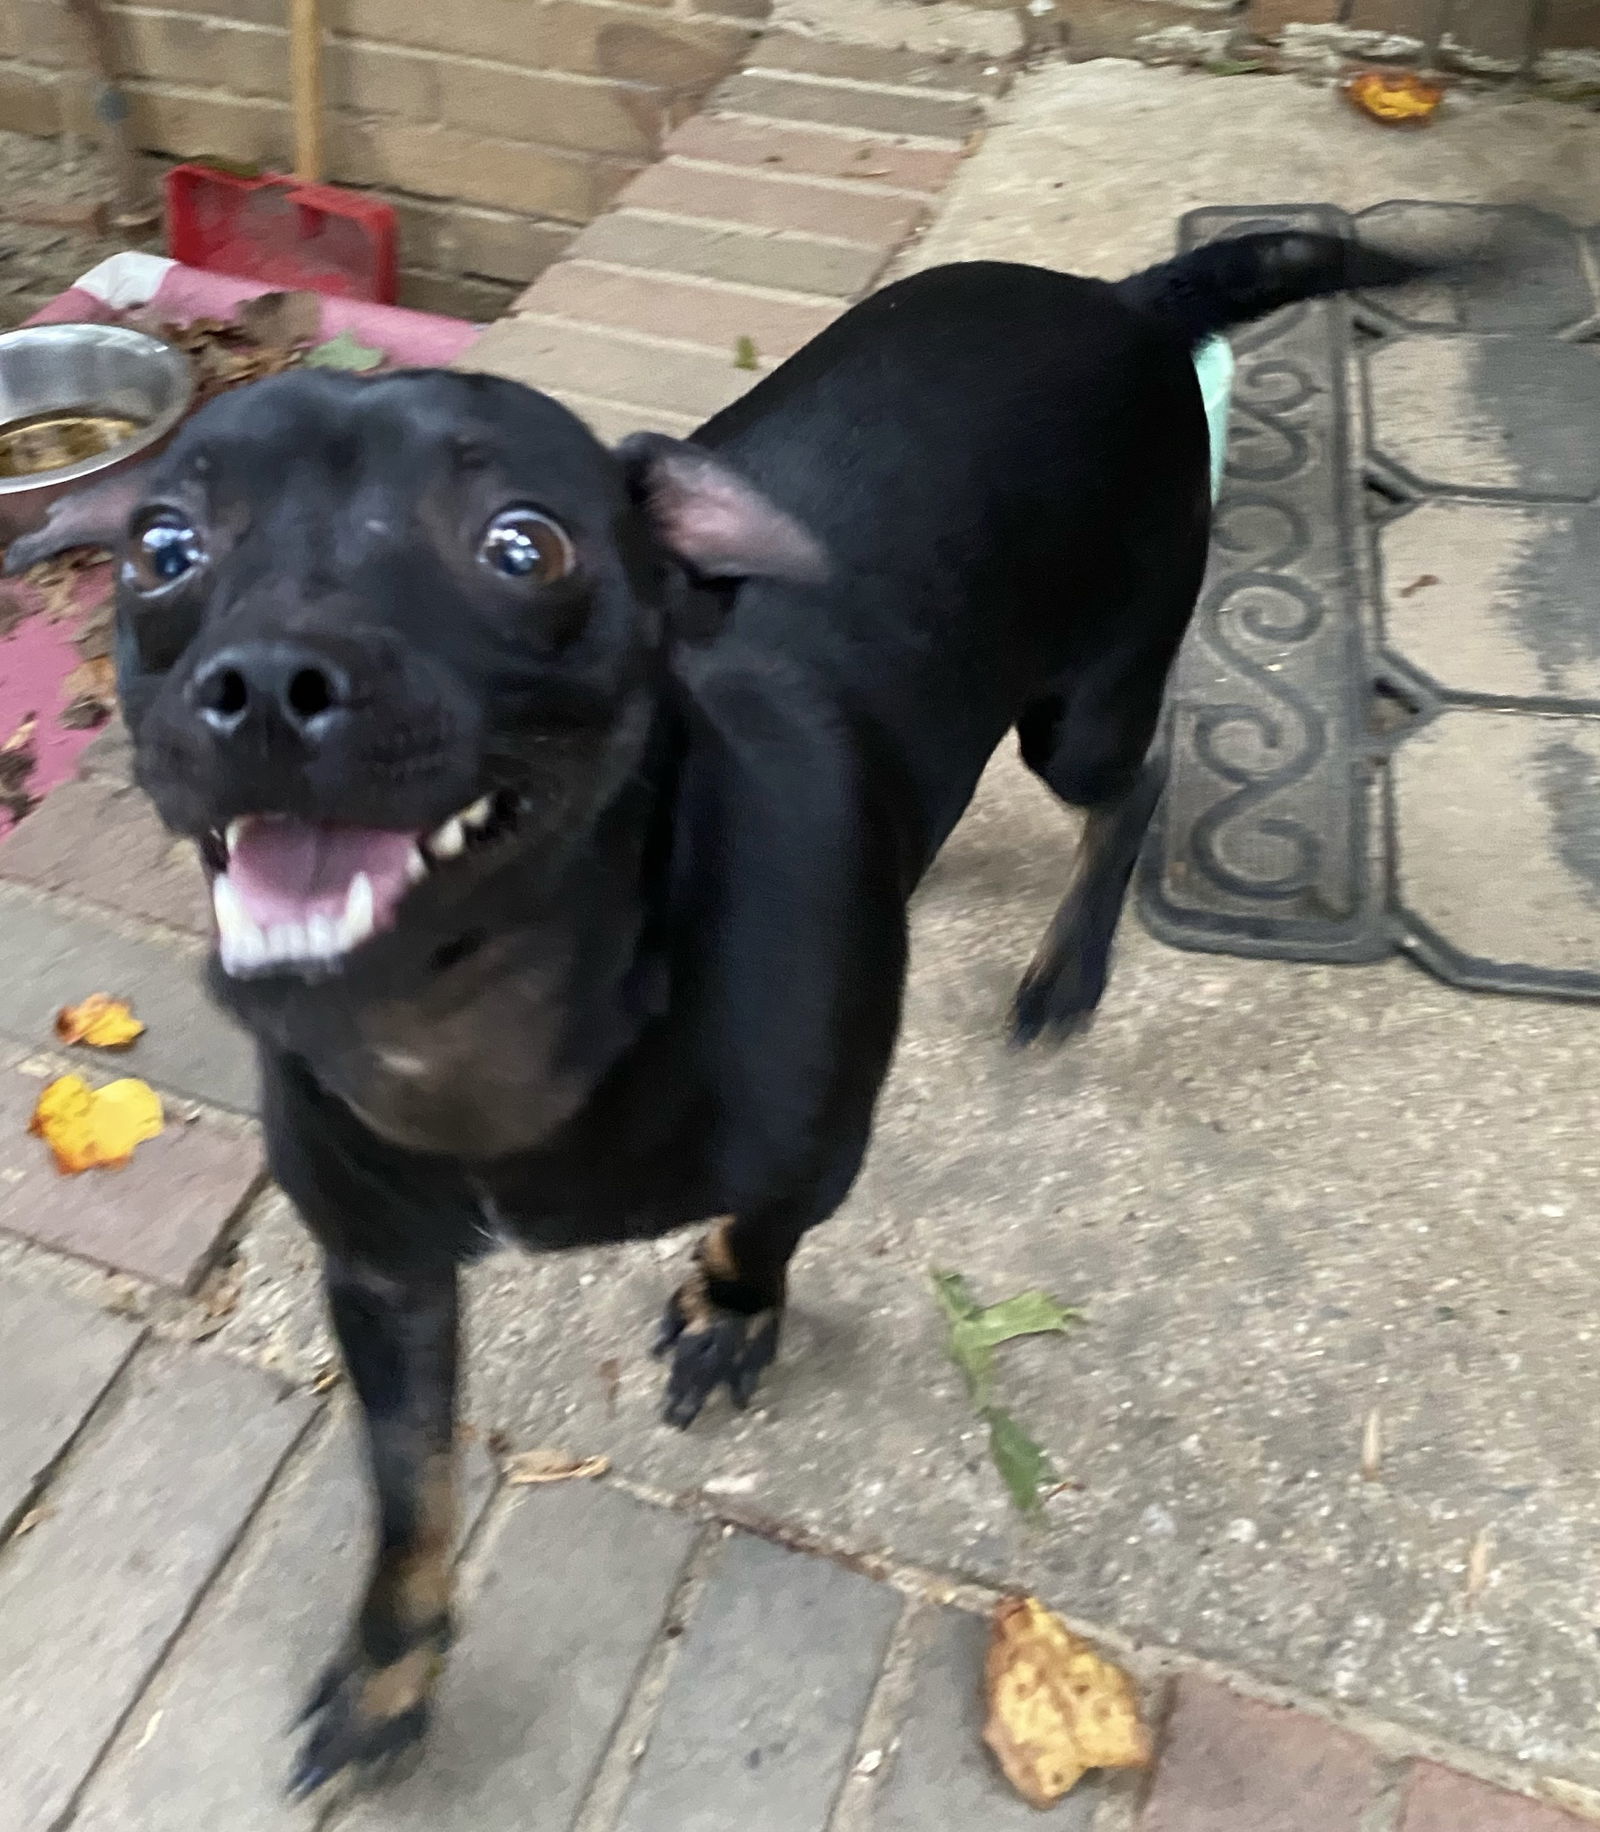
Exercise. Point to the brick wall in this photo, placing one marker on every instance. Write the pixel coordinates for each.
(498, 127)
(1555, 41)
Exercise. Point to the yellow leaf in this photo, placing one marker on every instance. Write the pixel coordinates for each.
(1056, 1707)
(552, 1466)
(89, 1128)
(101, 1021)
(1396, 98)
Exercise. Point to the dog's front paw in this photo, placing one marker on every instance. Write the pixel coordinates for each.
(1055, 1002)
(712, 1347)
(367, 1721)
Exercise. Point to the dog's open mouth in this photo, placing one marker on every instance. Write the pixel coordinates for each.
(302, 895)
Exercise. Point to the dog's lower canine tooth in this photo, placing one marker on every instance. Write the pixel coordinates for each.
(478, 813)
(358, 910)
(416, 865)
(230, 836)
(449, 840)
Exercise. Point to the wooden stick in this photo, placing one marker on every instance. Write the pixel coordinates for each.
(305, 81)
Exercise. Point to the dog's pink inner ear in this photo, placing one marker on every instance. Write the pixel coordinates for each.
(95, 516)
(709, 516)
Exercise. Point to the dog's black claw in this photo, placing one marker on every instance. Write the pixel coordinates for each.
(1049, 1011)
(356, 1731)
(721, 1349)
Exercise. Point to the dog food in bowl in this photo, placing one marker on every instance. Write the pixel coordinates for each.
(52, 441)
(76, 402)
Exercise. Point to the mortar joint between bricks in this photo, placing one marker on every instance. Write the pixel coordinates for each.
(732, 226)
(915, 92)
(883, 1720)
(922, 143)
(846, 187)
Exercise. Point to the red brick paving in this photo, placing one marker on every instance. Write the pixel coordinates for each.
(1231, 1764)
(100, 840)
(1439, 1800)
(158, 1216)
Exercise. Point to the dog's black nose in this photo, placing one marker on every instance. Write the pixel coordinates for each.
(294, 685)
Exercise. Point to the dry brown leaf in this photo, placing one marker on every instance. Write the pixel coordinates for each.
(21, 740)
(33, 1518)
(104, 1023)
(282, 320)
(1394, 98)
(95, 1129)
(326, 1377)
(1056, 1708)
(552, 1466)
(90, 691)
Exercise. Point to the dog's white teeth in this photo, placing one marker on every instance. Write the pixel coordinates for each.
(448, 841)
(231, 835)
(286, 941)
(416, 865)
(478, 814)
(358, 911)
(323, 937)
(240, 941)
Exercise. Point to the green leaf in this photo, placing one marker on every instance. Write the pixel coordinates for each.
(955, 1295)
(1023, 1465)
(345, 352)
(1029, 1313)
(744, 353)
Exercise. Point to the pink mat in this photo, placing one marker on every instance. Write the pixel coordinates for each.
(37, 657)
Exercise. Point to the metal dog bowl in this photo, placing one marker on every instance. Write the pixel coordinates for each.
(77, 402)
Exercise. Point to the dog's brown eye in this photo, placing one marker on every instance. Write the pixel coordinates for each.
(523, 544)
(164, 548)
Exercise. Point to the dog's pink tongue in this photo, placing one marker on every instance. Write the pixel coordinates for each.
(289, 871)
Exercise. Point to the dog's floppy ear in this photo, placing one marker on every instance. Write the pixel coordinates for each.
(95, 516)
(712, 518)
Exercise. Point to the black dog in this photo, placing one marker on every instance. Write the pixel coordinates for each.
(562, 807)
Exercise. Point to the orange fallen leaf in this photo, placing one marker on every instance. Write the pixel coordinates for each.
(1395, 98)
(552, 1466)
(1056, 1707)
(104, 1023)
(88, 1128)
(90, 692)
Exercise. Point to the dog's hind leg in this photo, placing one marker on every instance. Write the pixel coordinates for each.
(1062, 987)
(398, 1332)
(1090, 742)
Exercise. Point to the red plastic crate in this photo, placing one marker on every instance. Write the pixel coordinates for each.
(293, 236)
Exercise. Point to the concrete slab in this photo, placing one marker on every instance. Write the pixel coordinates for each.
(1498, 814)
(1495, 599)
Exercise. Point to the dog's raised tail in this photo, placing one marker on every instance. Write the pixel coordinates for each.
(1231, 282)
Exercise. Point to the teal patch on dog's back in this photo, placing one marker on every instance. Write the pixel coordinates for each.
(1213, 363)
